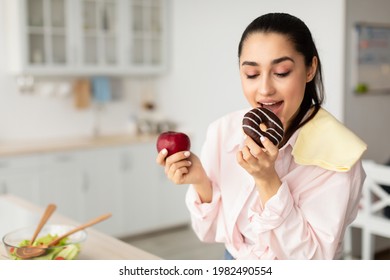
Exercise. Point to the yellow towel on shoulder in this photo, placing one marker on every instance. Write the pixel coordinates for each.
(327, 143)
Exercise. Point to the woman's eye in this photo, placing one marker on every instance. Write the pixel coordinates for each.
(282, 75)
(252, 76)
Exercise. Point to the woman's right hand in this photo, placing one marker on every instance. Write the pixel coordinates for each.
(186, 168)
(182, 167)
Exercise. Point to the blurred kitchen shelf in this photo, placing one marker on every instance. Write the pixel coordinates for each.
(94, 37)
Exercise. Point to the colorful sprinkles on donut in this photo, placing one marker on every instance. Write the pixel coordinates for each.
(251, 126)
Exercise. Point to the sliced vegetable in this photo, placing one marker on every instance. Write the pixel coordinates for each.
(59, 252)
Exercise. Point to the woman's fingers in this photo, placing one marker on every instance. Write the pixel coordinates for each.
(170, 170)
(253, 149)
(256, 160)
(182, 167)
(178, 176)
(177, 157)
(271, 149)
(161, 157)
(163, 160)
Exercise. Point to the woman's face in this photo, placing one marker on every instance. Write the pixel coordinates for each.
(274, 75)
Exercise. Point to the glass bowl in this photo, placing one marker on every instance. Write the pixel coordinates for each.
(66, 249)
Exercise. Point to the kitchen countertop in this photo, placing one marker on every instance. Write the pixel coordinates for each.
(56, 145)
(16, 213)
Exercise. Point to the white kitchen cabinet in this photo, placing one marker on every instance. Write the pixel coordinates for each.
(84, 184)
(102, 190)
(140, 189)
(145, 35)
(97, 36)
(151, 202)
(87, 37)
(20, 176)
(39, 36)
(122, 180)
(64, 183)
(173, 210)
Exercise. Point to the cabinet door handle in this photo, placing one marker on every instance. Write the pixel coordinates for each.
(64, 158)
(126, 162)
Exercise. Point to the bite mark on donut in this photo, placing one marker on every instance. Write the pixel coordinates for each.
(263, 127)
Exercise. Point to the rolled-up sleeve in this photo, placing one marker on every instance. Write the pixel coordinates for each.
(275, 213)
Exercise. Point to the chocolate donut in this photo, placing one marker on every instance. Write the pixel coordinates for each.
(251, 125)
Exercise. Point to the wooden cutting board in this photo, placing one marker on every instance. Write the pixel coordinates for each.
(82, 94)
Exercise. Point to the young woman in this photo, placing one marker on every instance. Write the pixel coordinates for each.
(293, 201)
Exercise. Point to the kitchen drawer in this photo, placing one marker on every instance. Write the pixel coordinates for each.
(61, 158)
(15, 162)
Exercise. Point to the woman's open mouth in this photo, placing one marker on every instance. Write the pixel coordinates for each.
(272, 106)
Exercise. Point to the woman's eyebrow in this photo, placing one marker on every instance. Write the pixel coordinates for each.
(281, 59)
(273, 62)
(250, 63)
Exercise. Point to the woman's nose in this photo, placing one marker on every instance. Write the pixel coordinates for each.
(266, 86)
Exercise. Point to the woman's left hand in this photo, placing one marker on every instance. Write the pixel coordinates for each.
(260, 163)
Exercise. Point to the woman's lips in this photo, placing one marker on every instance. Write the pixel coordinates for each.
(272, 106)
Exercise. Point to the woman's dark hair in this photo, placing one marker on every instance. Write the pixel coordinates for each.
(299, 34)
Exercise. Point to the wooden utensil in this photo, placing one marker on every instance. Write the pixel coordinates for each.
(45, 217)
(35, 251)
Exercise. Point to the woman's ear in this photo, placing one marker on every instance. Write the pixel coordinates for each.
(312, 69)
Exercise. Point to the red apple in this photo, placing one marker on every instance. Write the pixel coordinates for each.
(173, 141)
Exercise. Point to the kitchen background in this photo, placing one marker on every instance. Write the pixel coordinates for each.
(173, 67)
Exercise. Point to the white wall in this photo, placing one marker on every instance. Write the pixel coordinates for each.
(368, 115)
(204, 84)
(203, 81)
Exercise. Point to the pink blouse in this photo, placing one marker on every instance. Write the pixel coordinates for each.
(306, 219)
